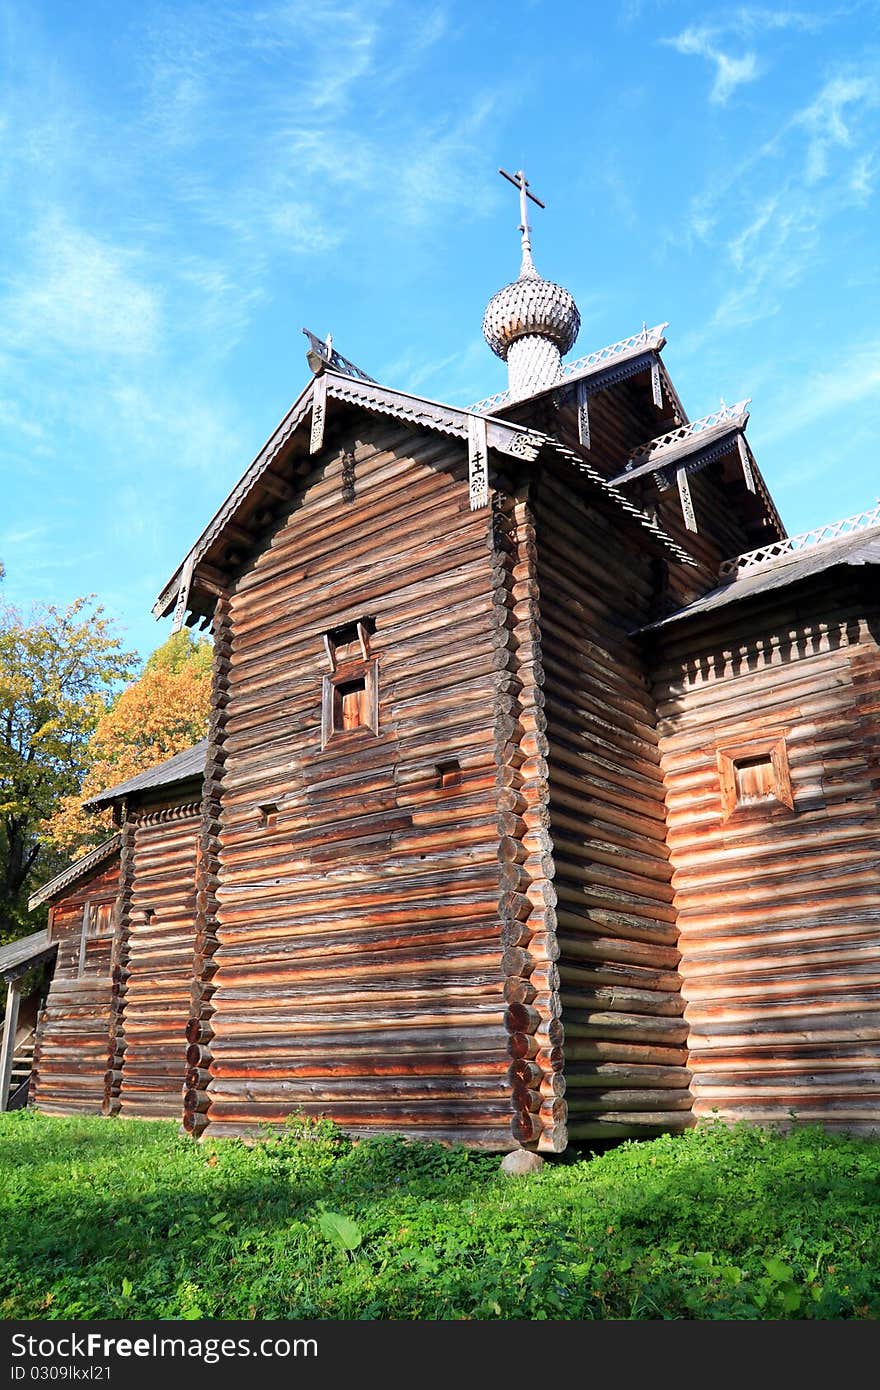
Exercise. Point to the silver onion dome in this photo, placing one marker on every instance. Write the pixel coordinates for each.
(530, 306)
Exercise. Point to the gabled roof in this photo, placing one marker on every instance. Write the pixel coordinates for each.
(673, 456)
(20, 955)
(79, 869)
(860, 548)
(181, 768)
(707, 437)
(517, 441)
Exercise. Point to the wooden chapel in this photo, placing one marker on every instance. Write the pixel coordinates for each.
(539, 803)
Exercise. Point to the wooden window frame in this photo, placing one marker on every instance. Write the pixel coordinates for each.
(91, 909)
(773, 748)
(366, 671)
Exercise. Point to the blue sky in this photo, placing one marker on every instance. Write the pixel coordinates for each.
(183, 187)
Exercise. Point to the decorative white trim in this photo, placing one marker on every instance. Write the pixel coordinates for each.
(656, 385)
(734, 415)
(776, 550)
(746, 462)
(687, 502)
(583, 414)
(478, 462)
(319, 413)
(182, 595)
(648, 340)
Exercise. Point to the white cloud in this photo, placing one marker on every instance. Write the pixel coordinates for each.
(863, 177)
(79, 294)
(853, 380)
(731, 71)
(831, 119)
(773, 206)
(751, 19)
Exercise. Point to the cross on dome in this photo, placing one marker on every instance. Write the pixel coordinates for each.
(520, 181)
(531, 322)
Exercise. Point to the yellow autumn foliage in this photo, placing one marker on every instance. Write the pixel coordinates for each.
(160, 714)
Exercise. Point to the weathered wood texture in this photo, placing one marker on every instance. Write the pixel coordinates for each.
(358, 971)
(621, 1007)
(730, 519)
(159, 965)
(119, 967)
(70, 1053)
(779, 907)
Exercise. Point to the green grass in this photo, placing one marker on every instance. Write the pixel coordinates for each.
(126, 1219)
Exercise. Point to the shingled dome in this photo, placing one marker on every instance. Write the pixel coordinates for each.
(531, 306)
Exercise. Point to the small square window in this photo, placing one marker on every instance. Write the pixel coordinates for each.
(754, 775)
(99, 920)
(350, 643)
(755, 779)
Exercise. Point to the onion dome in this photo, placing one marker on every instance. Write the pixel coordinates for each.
(530, 306)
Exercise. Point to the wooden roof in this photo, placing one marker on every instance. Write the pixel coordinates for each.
(79, 869)
(181, 768)
(19, 956)
(860, 548)
(514, 440)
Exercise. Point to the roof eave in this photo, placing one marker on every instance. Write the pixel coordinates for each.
(80, 868)
(18, 957)
(502, 435)
(747, 586)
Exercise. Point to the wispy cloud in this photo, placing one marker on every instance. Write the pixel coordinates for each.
(713, 42)
(731, 70)
(854, 379)
(831, 120)
(79, 293)
(768, 212)
(755, 19)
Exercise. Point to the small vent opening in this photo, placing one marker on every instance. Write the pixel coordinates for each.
(449, 773)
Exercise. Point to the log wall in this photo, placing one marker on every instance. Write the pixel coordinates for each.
(70, 1054)
(527, 906)
(358, 967)
(159, 961)
(624, 1035)
(199, 1028)
(779, 907)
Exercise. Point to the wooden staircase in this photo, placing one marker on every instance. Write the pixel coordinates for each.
(22, 1067)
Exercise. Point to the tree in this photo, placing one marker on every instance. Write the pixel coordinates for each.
(161, 713)
(57, 669)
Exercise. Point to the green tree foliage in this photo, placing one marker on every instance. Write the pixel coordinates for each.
(182, 651)
(57, 669)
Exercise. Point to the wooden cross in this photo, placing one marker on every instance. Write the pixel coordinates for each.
(520, 181)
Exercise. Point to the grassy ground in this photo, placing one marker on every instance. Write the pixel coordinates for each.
(125, 1219)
